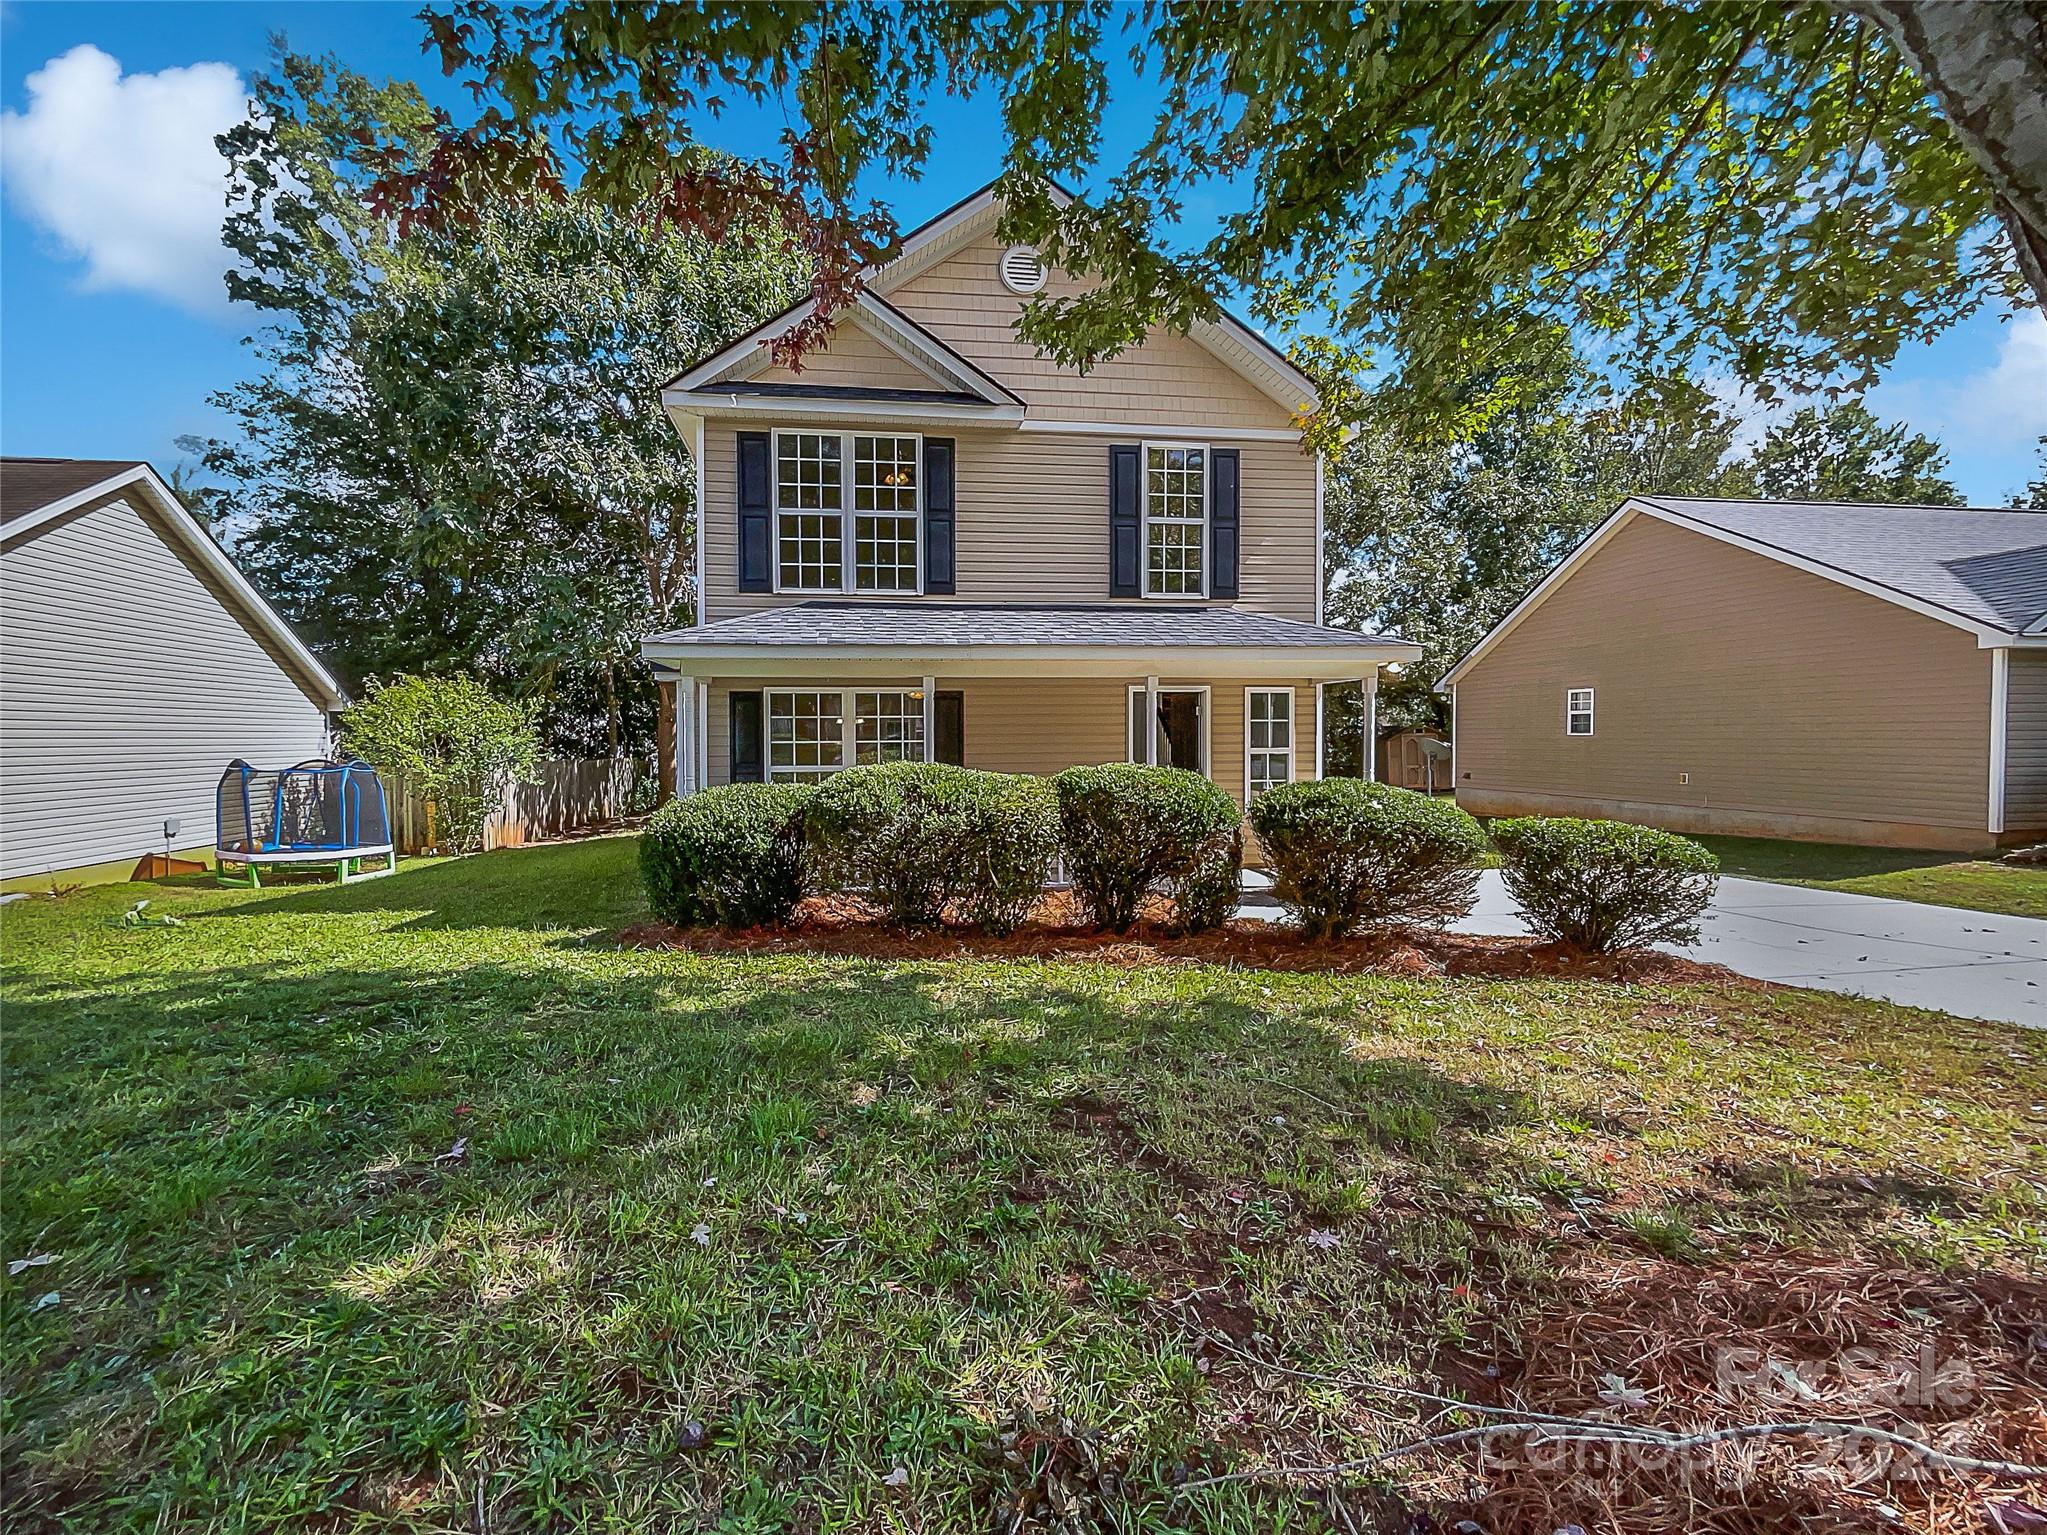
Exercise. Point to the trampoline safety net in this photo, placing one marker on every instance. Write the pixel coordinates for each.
(311, 807)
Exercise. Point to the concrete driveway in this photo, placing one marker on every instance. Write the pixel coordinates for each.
(1969, 963)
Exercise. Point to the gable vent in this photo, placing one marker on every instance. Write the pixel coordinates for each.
(1021, 270)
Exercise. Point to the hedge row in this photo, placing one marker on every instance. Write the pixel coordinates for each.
(929, 842)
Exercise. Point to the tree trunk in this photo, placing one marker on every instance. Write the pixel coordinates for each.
(1985, 61)
(664, 738)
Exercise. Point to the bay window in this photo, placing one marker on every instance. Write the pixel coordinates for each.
(1175, 520)
(841, 531)
(813, 732)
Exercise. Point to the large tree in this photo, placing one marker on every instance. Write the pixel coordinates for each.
(1843, 453)
(455, 456)
(1436, 540)
(1790, 191)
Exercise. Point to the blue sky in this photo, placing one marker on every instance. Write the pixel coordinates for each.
(115, 328)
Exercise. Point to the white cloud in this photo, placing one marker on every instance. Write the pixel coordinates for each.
(1998, 409)
(121, 171)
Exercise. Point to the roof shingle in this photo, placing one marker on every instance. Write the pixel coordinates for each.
(940, 624)
(1983, 564)
(30, 484)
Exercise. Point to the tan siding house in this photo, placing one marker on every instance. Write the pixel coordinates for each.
(135, 664)
(931, 541)
(1855, 674)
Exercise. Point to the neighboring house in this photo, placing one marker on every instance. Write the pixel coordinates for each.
(1843, 673)
(933, 543)
(136, 662)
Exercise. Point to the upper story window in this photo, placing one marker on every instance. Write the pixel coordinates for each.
(815, 549)
(1578, 712)
(1175, 520)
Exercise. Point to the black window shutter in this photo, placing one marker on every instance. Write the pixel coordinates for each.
(938, 516)
(1126, 523)
(949, 712)
(745, 717)
(1223, 476)
(755, 493)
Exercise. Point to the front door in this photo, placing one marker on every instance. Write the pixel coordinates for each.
(1179, 728)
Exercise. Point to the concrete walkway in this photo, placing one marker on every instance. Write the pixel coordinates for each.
(1969, 963)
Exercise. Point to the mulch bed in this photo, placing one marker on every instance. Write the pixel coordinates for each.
(841, 925)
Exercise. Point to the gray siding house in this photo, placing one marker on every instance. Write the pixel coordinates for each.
(135, 663)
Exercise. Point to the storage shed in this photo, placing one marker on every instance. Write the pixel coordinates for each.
(1816, 670)
(136, 661)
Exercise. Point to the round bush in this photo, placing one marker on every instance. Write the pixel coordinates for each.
(1605, 885)
(1346, 852)
(924, 837)
(731, 856)
(1132, 831)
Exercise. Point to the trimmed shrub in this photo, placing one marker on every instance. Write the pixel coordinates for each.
(920, 838)
(1132, 831)
(1605, 885)
(1346, 852)
(731, 856)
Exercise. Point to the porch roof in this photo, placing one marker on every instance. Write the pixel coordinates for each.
(1027, 634)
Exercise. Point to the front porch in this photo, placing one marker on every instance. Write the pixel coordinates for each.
(1238, 697)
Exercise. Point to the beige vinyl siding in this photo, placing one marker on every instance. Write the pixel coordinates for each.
(1168, 379)
(2025, 743)
(1034, 725)
(852, 358)
(1032, 521)
(1796, 705)
(125, 688)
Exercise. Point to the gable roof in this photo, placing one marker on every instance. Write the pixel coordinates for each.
(1979, 569)
(30, 484)
(39, 493)
(1228, 338)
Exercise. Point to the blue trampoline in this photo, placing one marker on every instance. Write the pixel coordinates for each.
(320, 812)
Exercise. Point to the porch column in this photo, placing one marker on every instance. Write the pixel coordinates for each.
(1370, 685)
(685, 735)
(703, 732)
(1151, 722)
(930, 719)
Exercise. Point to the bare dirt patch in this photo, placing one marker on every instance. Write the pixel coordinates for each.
(839, 925)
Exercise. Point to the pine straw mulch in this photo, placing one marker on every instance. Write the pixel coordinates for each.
(1959, 1361)
(847, 926)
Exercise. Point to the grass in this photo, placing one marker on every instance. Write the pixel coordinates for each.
(420, 1204)
(1938, 879)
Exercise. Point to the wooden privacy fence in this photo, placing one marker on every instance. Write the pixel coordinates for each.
(563, 794)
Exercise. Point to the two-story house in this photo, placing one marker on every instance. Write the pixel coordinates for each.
(933, 543)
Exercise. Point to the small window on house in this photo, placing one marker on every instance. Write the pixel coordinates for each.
(1021, 269)
(1578, 712)
(1268, 739)
(888, 727)
(1175, 520)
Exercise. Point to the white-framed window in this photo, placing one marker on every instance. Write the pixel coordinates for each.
(1578, 711)
(813, 732)
(848, 512)
(1268, 739)
(806, 734)
(1175, 519)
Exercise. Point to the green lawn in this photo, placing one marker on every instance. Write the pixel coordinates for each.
(1939, 879)
(420, 1204)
